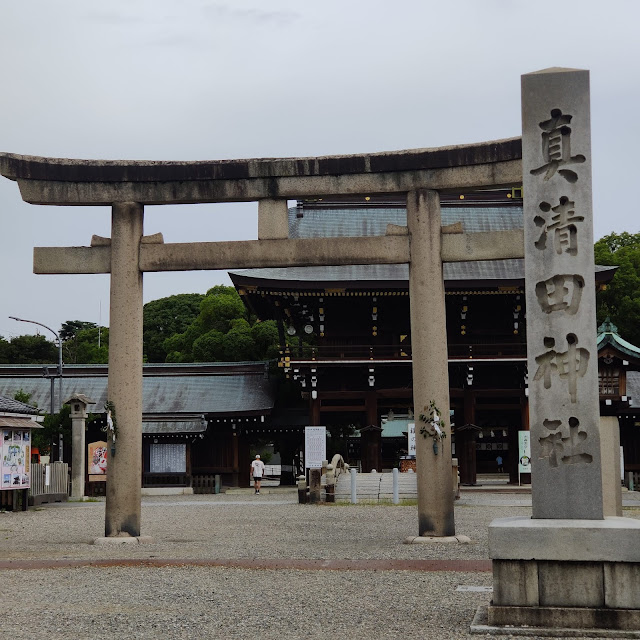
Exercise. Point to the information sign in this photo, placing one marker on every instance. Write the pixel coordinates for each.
(168, 458)
(16, 459)
(315, 447)
(524, 452)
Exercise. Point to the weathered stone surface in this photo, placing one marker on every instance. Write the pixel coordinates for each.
(16, 166)
(277, 252)
(123, 508)
(430, 368)
(519, 538)
(273, 219)
(515, 582)
(622, 585)
(102, 182)
(562, 619)
(560, 296)
(570, 584)
(610, 456)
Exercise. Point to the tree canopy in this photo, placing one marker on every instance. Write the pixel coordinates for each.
(621, 299)
(165, 317)
(223, 331)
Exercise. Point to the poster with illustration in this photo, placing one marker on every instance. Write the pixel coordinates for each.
(14, 472)
(97, 457)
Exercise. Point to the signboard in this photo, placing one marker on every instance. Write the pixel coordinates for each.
(168, 457)
(97, 457)
(315, 447)
(16, 459)
(524, 452)
(411, 436)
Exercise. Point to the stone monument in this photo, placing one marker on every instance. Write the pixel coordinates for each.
(569, 566)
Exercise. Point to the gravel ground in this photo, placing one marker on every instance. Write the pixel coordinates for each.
(221, 602)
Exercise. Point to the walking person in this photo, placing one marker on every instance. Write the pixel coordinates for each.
(257, 471)
(499, 463)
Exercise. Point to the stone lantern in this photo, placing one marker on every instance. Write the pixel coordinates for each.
(78, 403)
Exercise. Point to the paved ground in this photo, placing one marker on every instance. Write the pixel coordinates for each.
(244, 566)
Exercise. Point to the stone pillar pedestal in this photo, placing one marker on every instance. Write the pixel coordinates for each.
(559, 574)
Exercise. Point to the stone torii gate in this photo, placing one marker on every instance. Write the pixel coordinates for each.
(127, 186)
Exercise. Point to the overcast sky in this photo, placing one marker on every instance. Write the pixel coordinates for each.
(208, 80)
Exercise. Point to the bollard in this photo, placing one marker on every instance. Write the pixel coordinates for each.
(354, 497)
(315, 485)
(216, 483)
(302, 489)
(630, 481)
(396, 489)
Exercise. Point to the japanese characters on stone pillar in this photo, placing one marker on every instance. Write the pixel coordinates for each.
(560, 295)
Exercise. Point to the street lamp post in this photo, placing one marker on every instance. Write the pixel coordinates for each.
(59, 374)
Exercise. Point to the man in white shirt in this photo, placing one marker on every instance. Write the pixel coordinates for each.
(257, 471)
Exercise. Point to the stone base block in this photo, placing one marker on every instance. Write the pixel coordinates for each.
(556, 622)
(115, 540)
(437, 539)
(565, 617)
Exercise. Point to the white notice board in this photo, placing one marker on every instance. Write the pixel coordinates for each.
(315, 447)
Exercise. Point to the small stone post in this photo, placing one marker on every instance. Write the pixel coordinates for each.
(396, 489)
(354, 486)
(430, 365)
(78, 403)
(122, 515)
(315, 485)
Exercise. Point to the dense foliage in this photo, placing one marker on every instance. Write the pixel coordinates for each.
(621, 299)
(166, 317)
(223, 331)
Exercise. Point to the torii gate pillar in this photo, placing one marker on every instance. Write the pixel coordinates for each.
(430, 364)
(122, 516)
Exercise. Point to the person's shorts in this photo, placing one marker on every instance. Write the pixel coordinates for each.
(257, 478)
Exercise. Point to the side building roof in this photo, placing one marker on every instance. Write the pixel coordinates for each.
(236, 389)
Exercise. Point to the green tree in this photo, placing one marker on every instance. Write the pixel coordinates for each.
(166, 317)
(223, 331)
(30, 349)
(620, 300)
(80, 344)
(70, 328)
(5, 348)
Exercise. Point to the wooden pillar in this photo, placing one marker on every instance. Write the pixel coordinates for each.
(466, 440)
(374, 435)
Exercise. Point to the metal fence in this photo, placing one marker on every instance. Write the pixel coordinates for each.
(49, 478)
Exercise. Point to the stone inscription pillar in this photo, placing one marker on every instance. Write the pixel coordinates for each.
(430, 367)
(124, 470)
(560, 294)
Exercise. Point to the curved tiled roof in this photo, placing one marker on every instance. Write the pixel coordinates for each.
(9, 405)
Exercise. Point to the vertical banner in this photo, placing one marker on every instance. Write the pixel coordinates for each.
(560, 295)
(315, 447)
(411, 437)
(524, 452)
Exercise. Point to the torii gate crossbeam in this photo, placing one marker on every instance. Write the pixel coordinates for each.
(127, 186)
